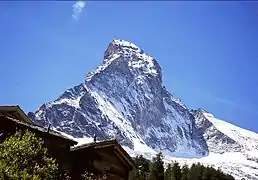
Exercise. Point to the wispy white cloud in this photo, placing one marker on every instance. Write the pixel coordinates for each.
(78, 7)
(241, 107)
(203, 96)
(217, 99)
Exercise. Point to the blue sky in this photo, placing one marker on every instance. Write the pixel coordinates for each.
(207, 50)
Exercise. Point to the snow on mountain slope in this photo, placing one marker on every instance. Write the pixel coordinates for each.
(245, 161)
(247, 138)
(234, 163)
(216, 140)
(124, 98)
(238, 160)
(233, 149)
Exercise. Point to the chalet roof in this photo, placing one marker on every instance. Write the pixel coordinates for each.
(108, 143)
(15, 112)
(39, 129)
(17, 115)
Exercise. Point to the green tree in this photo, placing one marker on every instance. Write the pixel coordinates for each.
(142, 169)
(157, 168)
(206, 174)
(176, 171)
(184, 171)
(169, 172)
(91, 176)
(229, 177)
(22, 157)
(194, 172)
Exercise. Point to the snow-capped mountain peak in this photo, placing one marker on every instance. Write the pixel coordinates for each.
(124, 98)
(124, 54)
(126, 45)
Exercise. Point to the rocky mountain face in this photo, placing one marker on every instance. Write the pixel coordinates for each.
(233, 149)
(216, 140)
(124, 98)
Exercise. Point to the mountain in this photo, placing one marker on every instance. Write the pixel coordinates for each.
(233, 149)
(124, 98)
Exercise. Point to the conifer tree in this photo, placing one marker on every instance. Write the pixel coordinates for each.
(194, 172)
(157, 168)
(206, 175)
(184, 171)
(169, 173)
(176, 171)
(142, 169)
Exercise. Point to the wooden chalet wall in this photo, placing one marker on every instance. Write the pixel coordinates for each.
(99, 157)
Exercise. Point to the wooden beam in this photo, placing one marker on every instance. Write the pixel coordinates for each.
(121, 157)
(121, 172)
(111, 176)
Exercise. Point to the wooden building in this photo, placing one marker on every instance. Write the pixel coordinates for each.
(13, 119)
(102, 157)
(96, 157)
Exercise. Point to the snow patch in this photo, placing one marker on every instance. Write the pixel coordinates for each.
(127, 44)
(244, 137)
(101, 68)
(233, 163)
(113, 114)
(71, 102)
(84, 140)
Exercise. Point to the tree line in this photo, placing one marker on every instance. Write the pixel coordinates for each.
(155, 170)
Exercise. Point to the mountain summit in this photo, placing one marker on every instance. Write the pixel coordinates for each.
(124, 98)
(123, 54)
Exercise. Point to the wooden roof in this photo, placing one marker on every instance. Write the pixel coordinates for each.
(17, 115)
(37, 128)
(105, 144)
(14, 112)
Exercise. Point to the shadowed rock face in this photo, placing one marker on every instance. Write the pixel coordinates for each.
(124, 98)
(217, 141)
